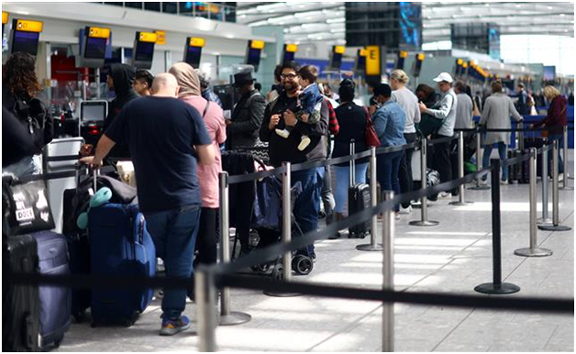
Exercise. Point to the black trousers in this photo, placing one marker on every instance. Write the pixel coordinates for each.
(405, 171)
(441, 159)
(207, 236)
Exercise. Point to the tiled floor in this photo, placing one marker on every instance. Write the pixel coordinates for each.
(452, 257)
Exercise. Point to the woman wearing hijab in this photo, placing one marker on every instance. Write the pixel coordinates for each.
(191, 93)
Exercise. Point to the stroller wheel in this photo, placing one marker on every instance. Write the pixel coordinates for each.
(278, 273)
(302, 265)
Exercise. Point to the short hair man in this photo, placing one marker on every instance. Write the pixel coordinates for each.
(279, 114)
(167, 139)
(143, 82)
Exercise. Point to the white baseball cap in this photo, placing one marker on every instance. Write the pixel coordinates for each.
(444, 77)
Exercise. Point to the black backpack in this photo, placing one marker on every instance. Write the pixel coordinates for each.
(33, 114)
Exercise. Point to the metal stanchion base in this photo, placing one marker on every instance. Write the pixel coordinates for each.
(458, 203)
(423, 223)
(566, 188)
(554, 228)
(542, 221)
(278, 294)
(479, 188)
(418, 205)
(369, 247)
(533, 252)
(234, 318)
(498, 289)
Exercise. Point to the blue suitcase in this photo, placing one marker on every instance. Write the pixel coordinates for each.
(55, 302)
(120, 245)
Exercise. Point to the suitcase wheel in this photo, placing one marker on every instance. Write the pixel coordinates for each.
(302, 265)
(79, 316)
(261, 268)
(278, 272)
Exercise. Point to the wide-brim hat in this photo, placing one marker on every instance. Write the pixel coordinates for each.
(243, 78)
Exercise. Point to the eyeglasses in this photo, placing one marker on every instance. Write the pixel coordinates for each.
(289, 76)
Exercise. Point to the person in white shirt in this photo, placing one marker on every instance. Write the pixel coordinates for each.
(409, 103)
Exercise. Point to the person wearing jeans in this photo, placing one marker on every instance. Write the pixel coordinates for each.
(167, 140)
(502, 152)
(343, 183)
(389, 123)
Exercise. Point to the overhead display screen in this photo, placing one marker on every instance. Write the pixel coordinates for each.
(25, 42)
(193, 56)
(144, 51)
(253, 57)
(95, 48)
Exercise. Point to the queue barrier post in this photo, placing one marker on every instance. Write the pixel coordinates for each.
(461, 198)
(373, 245)
(479, 186)
(423, 181)
(544, 220)
(566, 175)
(205, 292)
(227, 317)
(496, 287)
(533, 250)
(388, 274)
(555, 195)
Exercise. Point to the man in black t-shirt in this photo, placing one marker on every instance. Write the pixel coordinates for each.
(166, 137)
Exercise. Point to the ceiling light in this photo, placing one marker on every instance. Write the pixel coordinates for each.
(487, 5)
(562, 15)
(335, 20)
(549, 7)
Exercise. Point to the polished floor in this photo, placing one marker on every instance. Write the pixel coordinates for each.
(452, 257)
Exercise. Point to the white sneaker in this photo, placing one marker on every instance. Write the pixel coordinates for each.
(397, 215)
(304, 143)
(405, 211)
(444, 195)
(283, 133)
(560, 177)
(504, 182)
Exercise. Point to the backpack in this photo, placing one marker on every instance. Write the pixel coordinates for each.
(33, 114)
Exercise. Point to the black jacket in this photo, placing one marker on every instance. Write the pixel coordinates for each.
(123, 76)
(281, 149)
(352, 122)
(246, 120)
(17, 143)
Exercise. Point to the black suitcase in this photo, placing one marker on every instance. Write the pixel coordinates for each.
(358, 200)
(538, 143)
(514, 171)
(54, 300)
(20, 303)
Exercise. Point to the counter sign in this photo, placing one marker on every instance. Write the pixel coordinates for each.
(372, 60)
(160, 37)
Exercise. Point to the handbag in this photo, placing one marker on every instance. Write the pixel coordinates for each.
(26, 207)
(371, 136)
(429, 125)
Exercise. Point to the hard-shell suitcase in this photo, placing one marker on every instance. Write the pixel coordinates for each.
(54, 300)
(358, 200)
(514, 171)
(120, 245)
(20, 304)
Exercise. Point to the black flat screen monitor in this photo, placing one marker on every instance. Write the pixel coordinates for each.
(95, 48)
(144, 51)
(93, 111)
(193, 55)
(336, 61)
(288, 56)
(253, 57)
(25, 42)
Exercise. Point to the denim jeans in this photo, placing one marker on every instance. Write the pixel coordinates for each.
(560, 138)
(174, 235)
(502, 152)
(343, 183)
(388, 166)
(307, 205)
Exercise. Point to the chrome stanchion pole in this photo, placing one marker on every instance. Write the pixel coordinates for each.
(388, 274)
(227, 317)
(205, 291)
(545, 219)
(373, 245)
(566, 175)
(533, 251)
(283, 271)
(479, 186)
(423, 181)
(461, 188)
(555, 195)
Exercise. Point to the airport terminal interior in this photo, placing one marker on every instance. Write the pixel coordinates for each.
(288, 176)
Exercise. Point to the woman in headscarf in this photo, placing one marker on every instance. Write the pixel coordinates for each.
(191, 93)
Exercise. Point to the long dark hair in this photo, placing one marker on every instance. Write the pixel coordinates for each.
(20, 75)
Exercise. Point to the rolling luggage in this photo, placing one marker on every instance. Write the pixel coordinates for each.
(54, 301)
(20, 303)
(358, 200)
(514, 171)
(120, 245)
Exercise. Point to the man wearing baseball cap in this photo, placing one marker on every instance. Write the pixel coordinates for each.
(444, 109)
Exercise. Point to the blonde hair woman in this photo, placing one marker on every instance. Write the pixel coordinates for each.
(555, 119)
(409, 103)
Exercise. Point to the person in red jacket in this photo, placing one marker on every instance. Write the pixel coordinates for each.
(555, 120)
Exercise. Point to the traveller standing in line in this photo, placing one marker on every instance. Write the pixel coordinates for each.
(445, 109)
(496, 115)
(143, 82)
(213, 117)
(207, 92)
(167, 138)
(522, 104)
(465, 107)
(409, 103)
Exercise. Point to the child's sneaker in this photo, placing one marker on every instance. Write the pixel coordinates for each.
(283, 133)
(171, 327)
(304, 143)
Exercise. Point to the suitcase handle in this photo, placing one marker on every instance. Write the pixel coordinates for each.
(352, 163)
